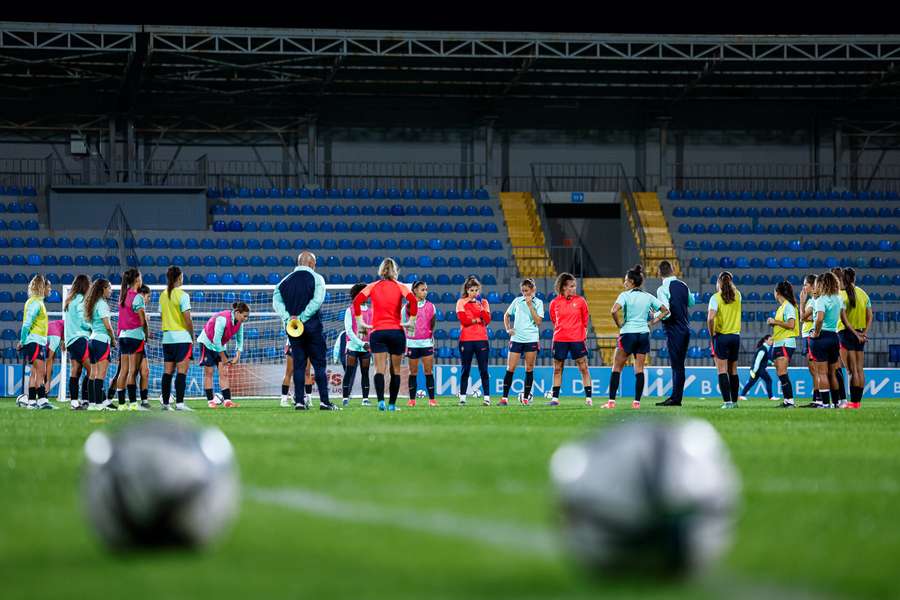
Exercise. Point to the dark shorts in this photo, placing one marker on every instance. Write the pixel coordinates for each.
(392, 341)
(417, 353)
(726, 346)
(634, 343)
(573, 350)
(129, 345)
(850, 342)
(825, 348)
(32, 352)
(524, 347)
(359, 355)
(78, 350)
(209, 358)
(782, 352)
(175, 353)
(804, 346)
(98, 351)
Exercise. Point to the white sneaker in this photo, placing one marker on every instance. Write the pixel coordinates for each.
(74, 404)
(93, 406)
(462, 400)
(588, 401)
(183, 407)
(287, 402)
(843, 404)
(365, 402)
(486, 401)
(743, 398)
(141, 407)
(773, 399)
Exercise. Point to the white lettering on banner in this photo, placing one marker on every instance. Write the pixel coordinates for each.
(873, 388)
(446, 387)
(705, 388)
(897, 387)
(658, 386)
(800, 387)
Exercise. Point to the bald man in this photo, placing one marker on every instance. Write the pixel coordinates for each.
(300, 295)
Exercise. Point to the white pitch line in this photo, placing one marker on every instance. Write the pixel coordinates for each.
(509, 536)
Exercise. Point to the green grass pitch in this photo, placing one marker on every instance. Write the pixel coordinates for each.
(453, 502)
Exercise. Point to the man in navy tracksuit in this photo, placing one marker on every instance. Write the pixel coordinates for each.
(300, 295)
(676, 295)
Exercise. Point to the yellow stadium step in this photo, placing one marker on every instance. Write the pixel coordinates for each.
(526, 235)
(658, 241)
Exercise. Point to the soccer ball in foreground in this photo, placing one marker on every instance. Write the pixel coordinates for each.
(548, 394)
(216, 401)
(420, 394)
(649, 498)
(159, 483)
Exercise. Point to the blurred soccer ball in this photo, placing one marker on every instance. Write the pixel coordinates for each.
(420, 394)
(548, 394)
(475, 393)
(159, 483)
(647, 497)
(521, 397)
(22, 400)
(216, 401)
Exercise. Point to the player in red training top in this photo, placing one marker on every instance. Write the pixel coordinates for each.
(569, 315)
(387, 336)
(474, 314)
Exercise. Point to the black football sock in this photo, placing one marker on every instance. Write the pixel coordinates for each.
(529, 381)
(413, 383)
(73, 388)
(347, 382)
(556, 392)
(379, 386)
(132, 392)
(725, 387)
(307, 388)
(121, 394)
(209, 394)
(824, 396)
(614, 384)
(86, 386)
(429, 385)
(180, 386)
(32, 393)
(507, 383)
(787, 388)
(734, 383)
(226, 394)
(285, 389)
(98, 391)
(364, 380)
(588, 392)
(638, 386)
(166, 387)
(395, 388)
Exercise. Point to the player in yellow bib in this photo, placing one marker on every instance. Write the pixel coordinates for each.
(785, 329)
(858, 314)
(724, 322)
(33, 342)
(178, 337)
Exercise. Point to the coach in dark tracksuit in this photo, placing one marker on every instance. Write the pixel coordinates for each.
(300, 295)
(675, 294)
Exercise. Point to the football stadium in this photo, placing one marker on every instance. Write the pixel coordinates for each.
(455, 314)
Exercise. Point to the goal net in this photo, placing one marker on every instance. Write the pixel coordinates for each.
(262, 365)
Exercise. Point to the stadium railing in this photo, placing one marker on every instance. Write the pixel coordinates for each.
(795, 177)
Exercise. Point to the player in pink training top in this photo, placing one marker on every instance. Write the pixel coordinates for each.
(420, 344)
(569, 315)
(387, 337)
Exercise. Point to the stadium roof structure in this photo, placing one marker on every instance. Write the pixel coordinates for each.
(208, 79)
